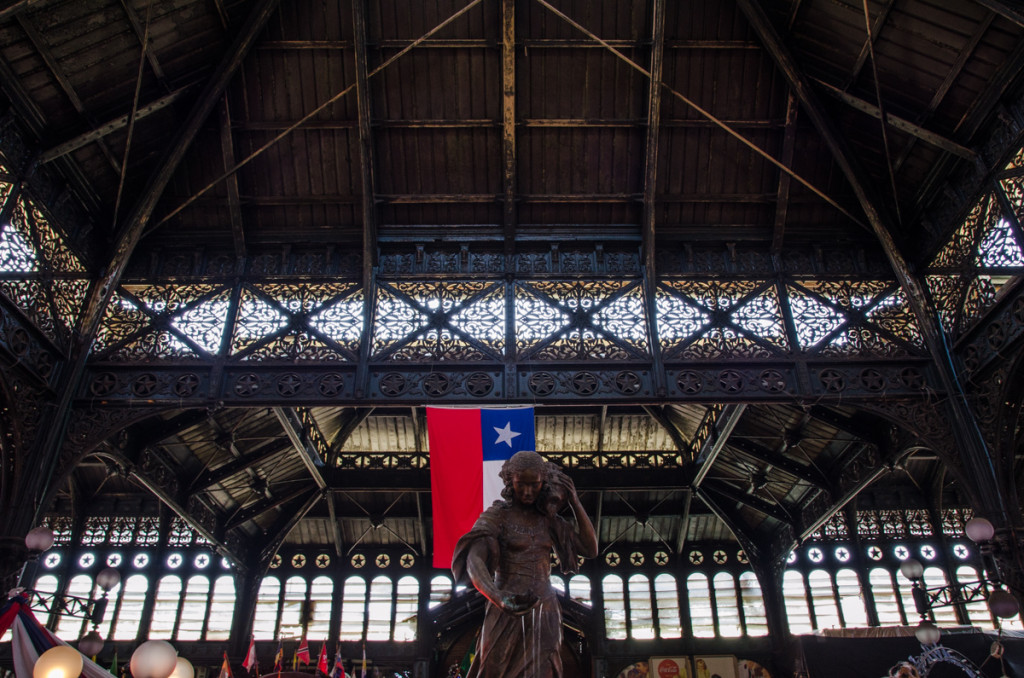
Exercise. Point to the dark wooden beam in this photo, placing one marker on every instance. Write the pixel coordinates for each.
(110, 127)
(725, 421)
(865, 49)
(155, 430)
(1012, 10)
(10, 8)
(734, 494)
(508, 120)
(336, 536)
(227, 152)
(260, 507)
(780, 461)
(142, 33)
(684, 524)
(208, 479)
(782, 194)
(300, 435)
(899, 123)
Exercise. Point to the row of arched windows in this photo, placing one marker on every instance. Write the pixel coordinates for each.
(718, 605)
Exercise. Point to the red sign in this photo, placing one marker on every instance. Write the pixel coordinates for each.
(667, 669)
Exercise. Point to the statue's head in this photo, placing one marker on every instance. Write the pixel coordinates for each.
(525, 469)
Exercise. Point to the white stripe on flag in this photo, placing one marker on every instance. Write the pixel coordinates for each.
(493, 484)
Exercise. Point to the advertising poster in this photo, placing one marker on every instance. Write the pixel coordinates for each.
(670, 667)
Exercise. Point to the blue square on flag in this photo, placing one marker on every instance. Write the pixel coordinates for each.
(505, 432)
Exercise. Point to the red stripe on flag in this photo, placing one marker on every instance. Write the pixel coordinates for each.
(456, 476)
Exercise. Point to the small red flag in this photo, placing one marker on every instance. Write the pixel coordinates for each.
(250, 656)
(303, 654)
(225, 668)
(321, 663)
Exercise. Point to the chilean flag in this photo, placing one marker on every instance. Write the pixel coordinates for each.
(467, 449)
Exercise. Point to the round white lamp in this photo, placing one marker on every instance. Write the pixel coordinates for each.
(39, 539)
(154, 659)
(58, 662)
(927, 633)
(91, 644)
(183, 669)
(108, 578)
(979, 530)
(912, 569)
(1003, 604)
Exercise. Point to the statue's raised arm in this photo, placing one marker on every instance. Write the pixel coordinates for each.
(507, 557)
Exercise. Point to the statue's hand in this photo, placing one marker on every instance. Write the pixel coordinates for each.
(518, 603)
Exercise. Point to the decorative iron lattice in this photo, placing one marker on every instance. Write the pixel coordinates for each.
(182, 534)
(918, 523)
(38, 273)
(96, 530)
(835, 528)
(954, 521)
(1017, 162)
(869, 524)
(61, 527)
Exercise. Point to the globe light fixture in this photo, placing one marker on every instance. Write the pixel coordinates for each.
(91, 644)
(58, 662)
(912, 569)
(107, 579)
(979, 530)
(153, 659)
(1003, 604)
(927, 633)
(39, 539)
(183, 669)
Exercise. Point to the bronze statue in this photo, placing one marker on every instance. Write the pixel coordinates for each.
(507, 558)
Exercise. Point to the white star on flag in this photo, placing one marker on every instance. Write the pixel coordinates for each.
(505, 435)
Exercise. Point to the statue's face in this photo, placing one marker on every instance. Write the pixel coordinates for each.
(526, 484)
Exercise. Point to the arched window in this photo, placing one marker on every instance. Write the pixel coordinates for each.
(407, 594)
(904, 590)
(108, 616)
(353, 609)
(826, 612)
(728, 609)
(440, 591)
(851, 599)
(193, 608)
(222, 608)
(579, 590)
(379, 626)
(129, 616)
(69, 627)
(614, 607)
(701, 616)
(165, 609)
(753, 605)
(264, 626)
(795, 594)
(321, 590)
(666, 597)
(641, 613)
(886, 606)
(934, 578)
(978, 613)
(558, 584)
(291, 608)
(45, 584)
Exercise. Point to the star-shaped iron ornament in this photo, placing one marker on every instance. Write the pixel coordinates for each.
(141, 560)
(275, 562)
(52, 560)
(114, 559)
(358, 560)
(323, 560)
(202, 560)
(407, 560)
(174, 560)
(636, 558)
(298, 560)
(661, 558)
(928, 552)
(741, 556)
(612, 559)
(901, 552)
(505, 435)
(87, 559)
(383, 560)
(696, 557)
(842, 554)
(816, 555)
(961, 552)
(719, 557)
(874, 553)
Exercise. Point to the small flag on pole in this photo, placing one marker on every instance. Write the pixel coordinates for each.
(321, 662)
(250, 656)
(225, 668)
(339, 665)
(303, 654)
(279, 658)
(364, 662)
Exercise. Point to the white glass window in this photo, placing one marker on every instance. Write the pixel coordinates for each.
(129, 616)
(165, 609)
(701, 617)
(794, 592)
(193, 608)
(379, 626)
(407, 595)
(728, 608)
(614, 607)
(851, 599)
(264, 626)
(45, 584)
(558, 584)
(321, 591)
(292, 606)
(666, 597)
(579, 590)
(753, 605)
(440, 591)
(882, 590)
(978, 613)
(222, 608)
(69, 627)
(353, 609)
(945, 615)
(641, 614)
(826, 612)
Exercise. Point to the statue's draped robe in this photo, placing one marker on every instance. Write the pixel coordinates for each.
(517, 646)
